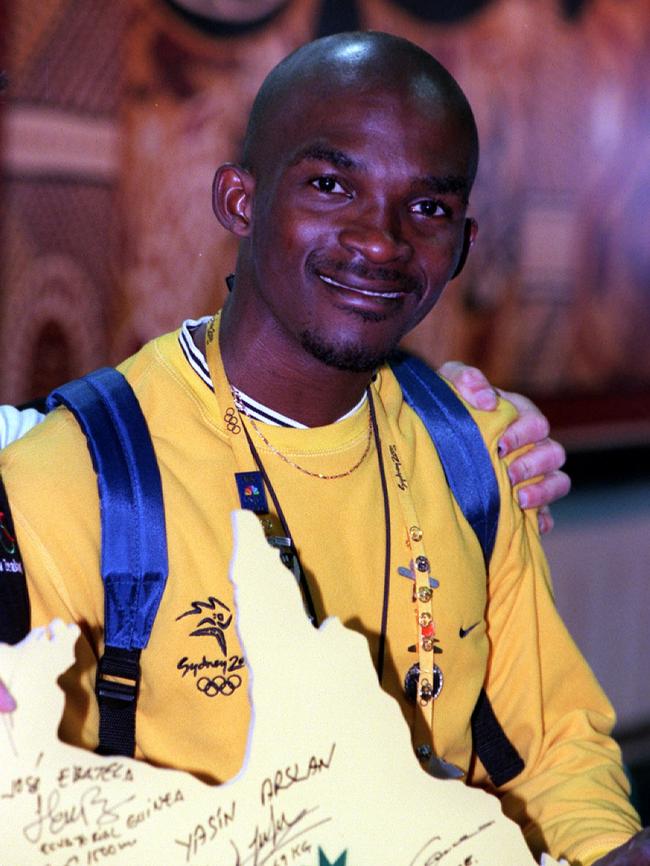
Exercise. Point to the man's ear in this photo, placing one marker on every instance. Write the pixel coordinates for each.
(232, 198)
(470, 231)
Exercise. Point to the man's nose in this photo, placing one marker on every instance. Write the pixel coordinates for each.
(376, 237)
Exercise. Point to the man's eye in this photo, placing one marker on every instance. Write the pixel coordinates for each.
(429, 208)
(327, 183)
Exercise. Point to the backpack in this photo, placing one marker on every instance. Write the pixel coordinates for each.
(134, 564)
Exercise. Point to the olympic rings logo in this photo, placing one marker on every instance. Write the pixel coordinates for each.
(232, 421)
(219, 685)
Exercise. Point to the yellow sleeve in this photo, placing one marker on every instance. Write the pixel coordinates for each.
(571, 799)
(56, 517)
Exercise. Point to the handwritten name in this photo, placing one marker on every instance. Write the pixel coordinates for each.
(116, 771)
(22, 785)
(91, 809)
(285, 778)
(206, 831)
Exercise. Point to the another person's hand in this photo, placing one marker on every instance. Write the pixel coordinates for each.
(636, 852)
(7, 703)
(529, 428)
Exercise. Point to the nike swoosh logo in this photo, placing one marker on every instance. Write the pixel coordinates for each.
(463, 632)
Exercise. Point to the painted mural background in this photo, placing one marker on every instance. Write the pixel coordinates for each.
(116, 112)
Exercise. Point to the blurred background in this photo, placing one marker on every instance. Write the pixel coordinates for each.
(115, 113)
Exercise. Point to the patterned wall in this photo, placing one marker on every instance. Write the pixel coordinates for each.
(118, 111)
(60, 221)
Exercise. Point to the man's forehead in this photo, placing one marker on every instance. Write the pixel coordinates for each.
(333, 109)
(345, 129)
(363, 89)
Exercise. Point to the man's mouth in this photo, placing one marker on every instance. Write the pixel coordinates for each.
(369, 293)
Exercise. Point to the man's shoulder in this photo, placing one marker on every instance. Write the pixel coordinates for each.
(49, 471)
(53, 457)
(53, 460)
(153, 362)
(490, 423)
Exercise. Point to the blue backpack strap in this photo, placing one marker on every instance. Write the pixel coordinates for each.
(460, 446)
(470, 475)
(133, 540)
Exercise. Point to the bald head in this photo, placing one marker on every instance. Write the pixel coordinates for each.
(354, 64)
(351, 205)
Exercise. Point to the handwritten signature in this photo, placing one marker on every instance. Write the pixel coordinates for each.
(91, 809)
(276, 833)
(430, 853)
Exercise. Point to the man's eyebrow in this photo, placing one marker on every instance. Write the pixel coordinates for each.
(323, 153)
(451, 183)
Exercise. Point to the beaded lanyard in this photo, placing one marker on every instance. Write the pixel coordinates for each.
(424, 680)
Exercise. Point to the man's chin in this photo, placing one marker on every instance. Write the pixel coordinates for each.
(353, 359)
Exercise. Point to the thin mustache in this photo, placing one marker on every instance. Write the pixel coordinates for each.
(339, 270)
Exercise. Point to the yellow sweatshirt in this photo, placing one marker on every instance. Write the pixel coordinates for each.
(502, 633)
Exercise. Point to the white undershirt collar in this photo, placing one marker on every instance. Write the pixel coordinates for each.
(259, 411)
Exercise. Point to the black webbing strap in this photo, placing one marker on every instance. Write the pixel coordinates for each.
(499, 757)
(116, 686)
(15, 613)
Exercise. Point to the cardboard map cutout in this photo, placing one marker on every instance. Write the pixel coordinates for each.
(329, 779)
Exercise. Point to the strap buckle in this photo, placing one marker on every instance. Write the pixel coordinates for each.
(122, 663)
(288, 555)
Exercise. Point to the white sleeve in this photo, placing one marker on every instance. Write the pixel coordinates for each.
(14, 423)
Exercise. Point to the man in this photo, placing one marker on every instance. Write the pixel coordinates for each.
(351, 210)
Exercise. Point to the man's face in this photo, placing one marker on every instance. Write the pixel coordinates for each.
(358, 222)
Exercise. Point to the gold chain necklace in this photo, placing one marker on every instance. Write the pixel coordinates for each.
(242, 410)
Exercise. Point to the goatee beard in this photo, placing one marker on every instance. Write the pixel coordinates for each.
(354, 359)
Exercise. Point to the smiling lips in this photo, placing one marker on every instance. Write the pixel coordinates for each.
(359, 291)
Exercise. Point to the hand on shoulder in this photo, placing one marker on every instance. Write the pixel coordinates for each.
(545, 458)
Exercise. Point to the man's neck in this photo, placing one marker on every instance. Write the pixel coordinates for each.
(313, 393)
